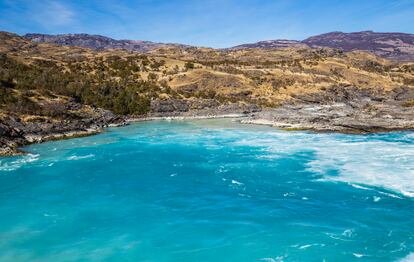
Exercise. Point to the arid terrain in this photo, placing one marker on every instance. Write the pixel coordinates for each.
(52, 90)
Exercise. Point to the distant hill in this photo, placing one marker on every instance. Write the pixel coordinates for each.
(282, 43)
(394, 46)
(97, 42)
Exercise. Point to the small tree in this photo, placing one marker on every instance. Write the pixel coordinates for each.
(189, 65)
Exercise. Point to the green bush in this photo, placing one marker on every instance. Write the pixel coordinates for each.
(131, 95)
(189, 65)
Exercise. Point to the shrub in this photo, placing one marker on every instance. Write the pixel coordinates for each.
(189, 65)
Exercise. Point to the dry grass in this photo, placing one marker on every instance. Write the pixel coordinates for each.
(267, 76)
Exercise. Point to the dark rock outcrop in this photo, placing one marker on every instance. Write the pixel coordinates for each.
(345, 109)
(169, 106)
(11, 136)
(14, 132)
(198, 107)
(342, 94)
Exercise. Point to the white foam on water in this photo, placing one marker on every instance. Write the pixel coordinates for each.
(360, 187)
(80, 157)
(389, 195)
(305, 246)
(408, 258)
(360, 161)
(348, 233)
(376, 199)
(337, 237)
(235, 182)
(357, 255)
(288, 194)
(381, 164)
(16, 164)
(378, 191)
(409, 136)
(268, 259)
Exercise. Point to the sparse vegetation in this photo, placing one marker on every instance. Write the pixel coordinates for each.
(126, 82)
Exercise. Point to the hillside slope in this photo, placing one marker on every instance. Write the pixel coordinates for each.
(395, 46)
(96, 42)
(59, 89)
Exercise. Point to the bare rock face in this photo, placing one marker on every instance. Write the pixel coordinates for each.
(395, 46)
(14, 132)
(337, 117)
(198, 107)
(343, 109)
(169, 106)
(10, 136)
(344, 94)
(402, 94)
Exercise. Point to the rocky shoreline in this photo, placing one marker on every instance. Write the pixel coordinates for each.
(337, 117)
(354, 117)
(52, 92)
(345, 110)
(15, 133)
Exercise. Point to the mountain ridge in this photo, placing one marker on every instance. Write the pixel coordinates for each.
(277, 43)
(97, 42)
(391, 45)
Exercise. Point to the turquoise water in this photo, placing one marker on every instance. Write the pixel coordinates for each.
(210, 190)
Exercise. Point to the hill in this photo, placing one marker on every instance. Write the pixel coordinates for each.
(395, 46)
(282, 43)
(49, 90)
(96, 42)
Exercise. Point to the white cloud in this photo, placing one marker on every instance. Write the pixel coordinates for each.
(53, 14)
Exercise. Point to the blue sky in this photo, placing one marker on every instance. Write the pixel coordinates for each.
(212, 23)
